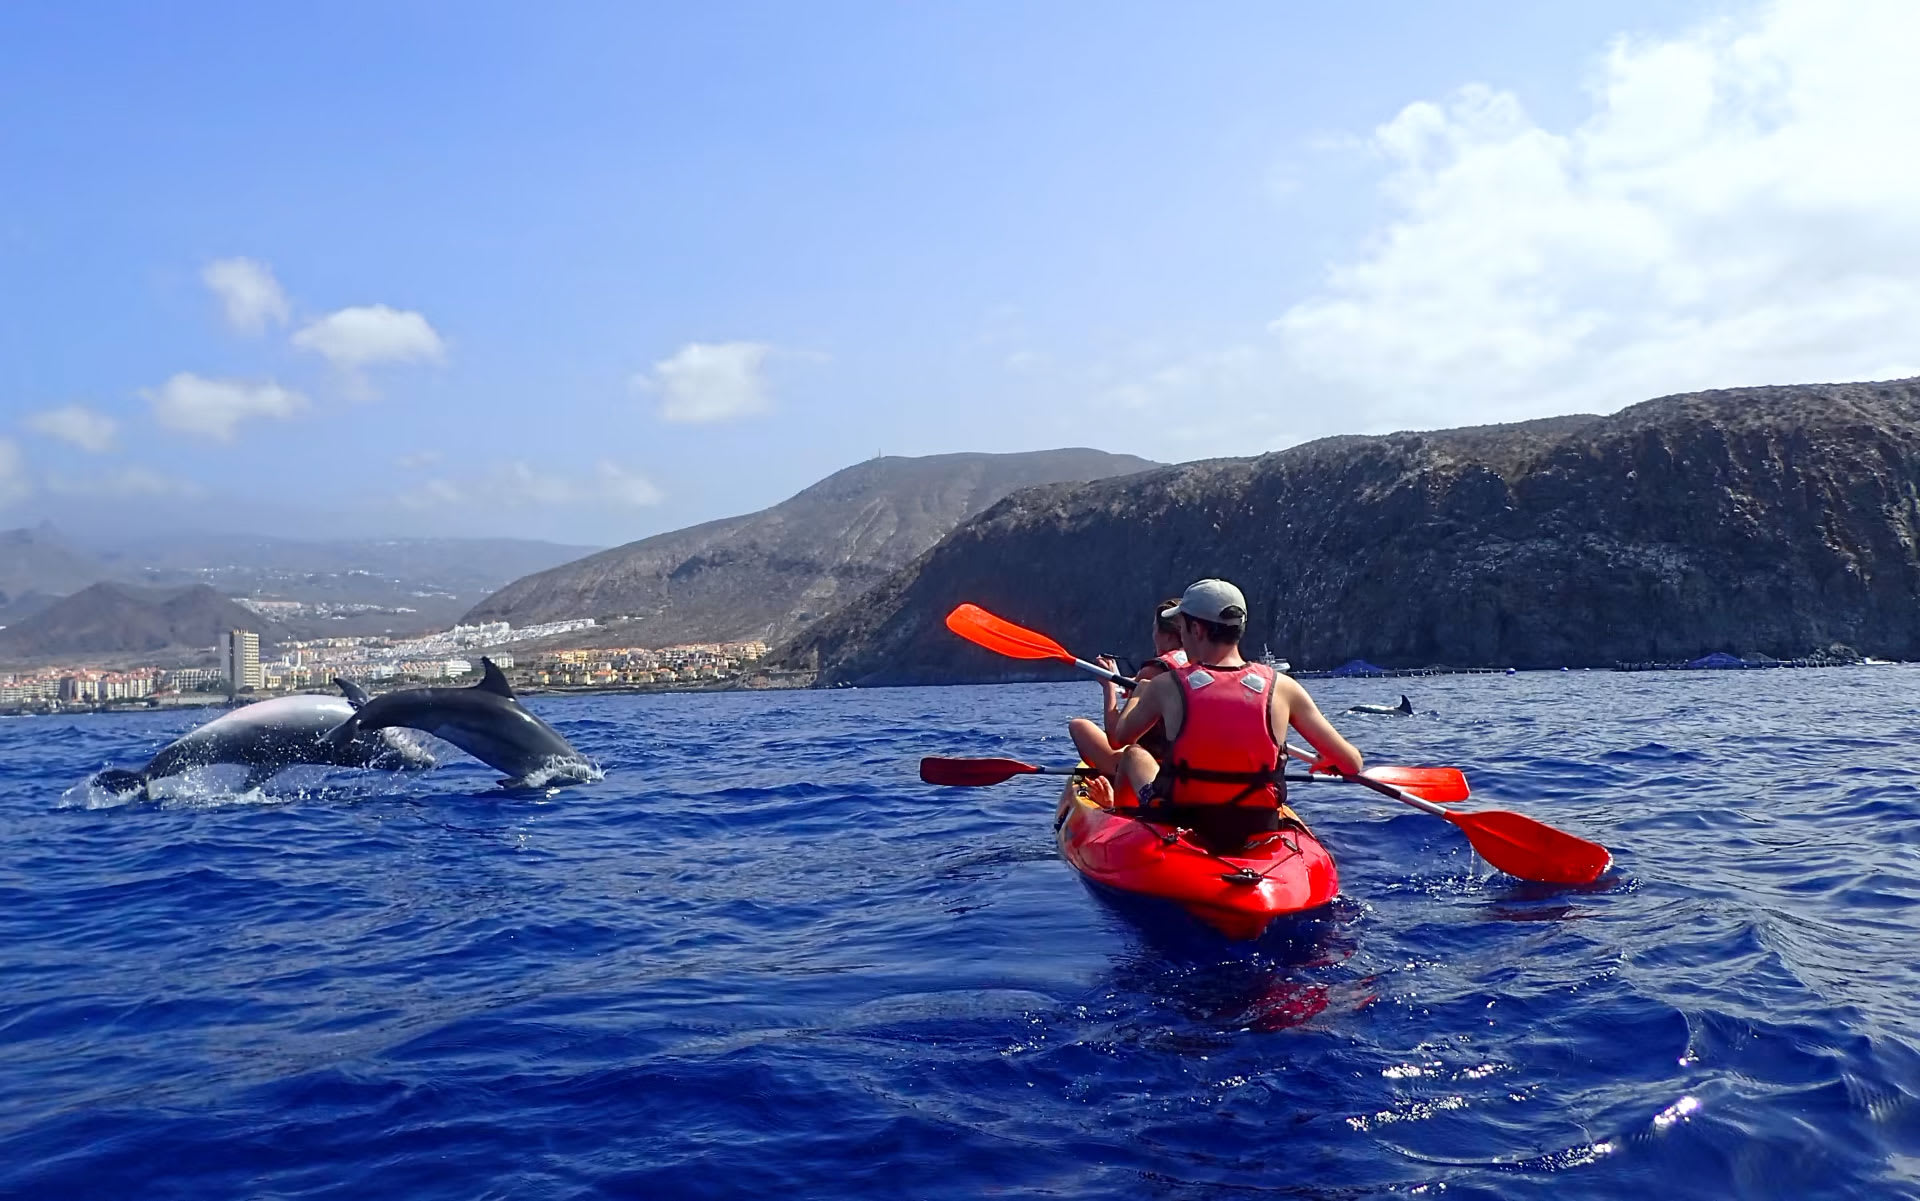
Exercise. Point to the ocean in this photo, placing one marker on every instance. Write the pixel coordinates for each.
(761, 958)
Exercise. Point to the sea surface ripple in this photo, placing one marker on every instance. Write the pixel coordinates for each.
(761, 958)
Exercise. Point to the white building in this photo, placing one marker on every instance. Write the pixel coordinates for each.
(240, 657)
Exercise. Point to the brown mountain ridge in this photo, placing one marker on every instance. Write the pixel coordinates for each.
(1770, 521)
(767, 574)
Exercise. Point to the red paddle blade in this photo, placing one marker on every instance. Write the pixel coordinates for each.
(1531, 850)
(982, 628)
(1442, 785)
(972, 773)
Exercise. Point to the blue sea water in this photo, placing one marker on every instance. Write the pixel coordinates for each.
(761, 958)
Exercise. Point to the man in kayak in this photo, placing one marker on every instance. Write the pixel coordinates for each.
(1095, 742)
(1226, 720)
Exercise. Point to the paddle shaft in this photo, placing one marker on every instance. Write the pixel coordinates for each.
(1379, 786)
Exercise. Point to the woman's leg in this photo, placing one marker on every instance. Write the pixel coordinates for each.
(1091, 741)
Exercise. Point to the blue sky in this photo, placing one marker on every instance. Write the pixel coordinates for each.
(590, 272)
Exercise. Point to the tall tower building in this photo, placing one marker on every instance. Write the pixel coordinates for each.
(241, 659)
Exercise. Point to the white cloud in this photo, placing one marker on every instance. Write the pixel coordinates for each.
(78, 425)
(517, 485)
(214, 408)
(433, 494)
(1737, 209)
(124, 481)
(625, 489)
(416, 460)
(14, 484)
(710, 381)
(248, 293)
(371, 335)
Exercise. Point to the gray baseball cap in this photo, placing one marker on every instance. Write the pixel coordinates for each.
(1212, 600)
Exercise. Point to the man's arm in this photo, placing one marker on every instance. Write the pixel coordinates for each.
(1142, 712)
(1305, 716)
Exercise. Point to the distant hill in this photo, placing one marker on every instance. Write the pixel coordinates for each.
(349, 586)
(116, 619)
(39, 561)
(767, 574)
(1758, 521)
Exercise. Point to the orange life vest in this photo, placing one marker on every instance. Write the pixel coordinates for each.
(1227, 752)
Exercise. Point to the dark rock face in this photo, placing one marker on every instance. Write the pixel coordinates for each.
(769, 573)
(108, 618)
(1760, 521)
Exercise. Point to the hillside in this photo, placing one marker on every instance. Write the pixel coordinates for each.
(766, 574)
(38, 563)
(115, 619)
(1758, 521)
(348, 586)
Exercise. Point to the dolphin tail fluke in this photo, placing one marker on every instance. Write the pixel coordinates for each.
(116, 779)
(1406, 706)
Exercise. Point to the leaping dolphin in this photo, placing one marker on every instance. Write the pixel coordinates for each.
(1403, 709)
(267, 736)
(486, 722)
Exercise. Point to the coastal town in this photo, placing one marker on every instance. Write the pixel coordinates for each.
(236, 667)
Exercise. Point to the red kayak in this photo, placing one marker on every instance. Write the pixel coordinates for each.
(1238, 894)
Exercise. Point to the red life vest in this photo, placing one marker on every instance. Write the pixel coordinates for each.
(1168, 662)
(1226, 752)
(1154, 742)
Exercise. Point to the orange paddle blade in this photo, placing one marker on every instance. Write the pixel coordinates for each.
(973, 773)
(1442, 784)
(1531, 850)
(982, 628)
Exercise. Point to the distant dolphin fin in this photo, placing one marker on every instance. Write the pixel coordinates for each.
(1406, 706)
(115, 779)
(495, 680)
(356, 695)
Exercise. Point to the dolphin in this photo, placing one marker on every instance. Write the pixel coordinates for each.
(267, 736)
(486, 722)
(1403, 709)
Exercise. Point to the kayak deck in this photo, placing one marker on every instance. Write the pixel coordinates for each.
(1238, 894)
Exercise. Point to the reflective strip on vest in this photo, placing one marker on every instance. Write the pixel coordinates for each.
(1225, 729)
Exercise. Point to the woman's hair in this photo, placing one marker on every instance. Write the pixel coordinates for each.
(1167, 625)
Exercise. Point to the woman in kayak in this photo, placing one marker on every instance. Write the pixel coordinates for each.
(1227, 722)
(1095, 742)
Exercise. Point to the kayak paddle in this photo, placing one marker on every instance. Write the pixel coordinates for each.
(1438, 784)
(1512, 842)
(984, 629)
(998, 634)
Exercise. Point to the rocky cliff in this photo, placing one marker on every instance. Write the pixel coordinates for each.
(767, 574)
(1758, 521)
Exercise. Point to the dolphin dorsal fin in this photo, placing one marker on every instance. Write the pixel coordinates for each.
(1406, 706)
(495, 680)
(356, 695)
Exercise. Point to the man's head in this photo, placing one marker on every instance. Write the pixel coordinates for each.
(1212, 612)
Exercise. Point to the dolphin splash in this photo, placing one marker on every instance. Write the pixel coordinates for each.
(485, 721)
(268, 736)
